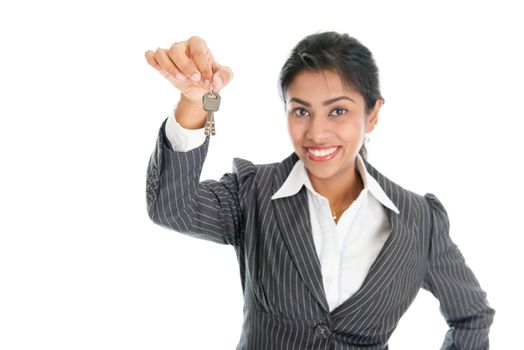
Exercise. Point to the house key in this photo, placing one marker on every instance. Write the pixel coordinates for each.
(211, 103)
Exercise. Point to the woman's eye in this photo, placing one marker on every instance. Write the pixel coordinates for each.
(338, 111)
(300, 112)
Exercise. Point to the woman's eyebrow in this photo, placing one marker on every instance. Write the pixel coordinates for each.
(333, 100)
(302, 102)
(325, 103)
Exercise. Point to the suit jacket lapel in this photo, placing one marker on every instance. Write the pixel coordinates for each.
(387, 264)
(292, 215)
(392, 256)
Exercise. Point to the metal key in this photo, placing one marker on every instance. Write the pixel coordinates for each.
(211, 103)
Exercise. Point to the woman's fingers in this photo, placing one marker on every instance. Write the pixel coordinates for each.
(223, 75)
(199, 53)
(190, 67)
(191, 59)
(150, 58)
(178, 55)
(167, 65)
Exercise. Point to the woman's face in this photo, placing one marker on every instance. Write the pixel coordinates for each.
(327, 123)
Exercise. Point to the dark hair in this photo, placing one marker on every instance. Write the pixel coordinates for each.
(345, 55)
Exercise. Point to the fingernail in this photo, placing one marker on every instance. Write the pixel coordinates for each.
(195, 77)
(207, 84)
(180, 76)
(217, 81)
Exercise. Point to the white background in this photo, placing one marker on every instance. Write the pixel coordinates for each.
(81, 264)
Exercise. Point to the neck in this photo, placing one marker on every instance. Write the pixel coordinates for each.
(340, 192)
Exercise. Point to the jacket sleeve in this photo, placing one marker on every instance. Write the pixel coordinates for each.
(462, 301)
(177, 200)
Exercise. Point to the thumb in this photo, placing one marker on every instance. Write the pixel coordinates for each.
(222, 77)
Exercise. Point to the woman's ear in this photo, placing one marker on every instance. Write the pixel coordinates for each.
(372, 117)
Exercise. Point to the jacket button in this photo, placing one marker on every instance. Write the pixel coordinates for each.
(322, 331)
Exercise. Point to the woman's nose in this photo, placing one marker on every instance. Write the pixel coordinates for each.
(318, 130)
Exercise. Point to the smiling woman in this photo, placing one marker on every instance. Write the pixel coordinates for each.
(331, 251)
(327, 122)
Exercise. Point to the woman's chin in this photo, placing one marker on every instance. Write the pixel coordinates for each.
(320, 172)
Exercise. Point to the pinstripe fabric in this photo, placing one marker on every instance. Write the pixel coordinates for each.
(284, 301)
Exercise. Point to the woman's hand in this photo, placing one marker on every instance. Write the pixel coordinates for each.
(191, 68)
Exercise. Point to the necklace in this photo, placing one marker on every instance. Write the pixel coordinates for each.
(334, 215)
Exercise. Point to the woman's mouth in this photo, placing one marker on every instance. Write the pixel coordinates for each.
(321, 154)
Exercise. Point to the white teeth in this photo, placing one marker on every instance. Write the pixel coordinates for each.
(322, 152)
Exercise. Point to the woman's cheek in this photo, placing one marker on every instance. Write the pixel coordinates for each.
(296, 131)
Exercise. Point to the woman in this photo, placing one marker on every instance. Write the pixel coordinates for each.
(331, 252)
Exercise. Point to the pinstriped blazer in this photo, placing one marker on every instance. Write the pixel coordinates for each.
(284, 302)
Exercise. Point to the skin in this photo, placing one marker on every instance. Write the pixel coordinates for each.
(323, 112)
(192, 69)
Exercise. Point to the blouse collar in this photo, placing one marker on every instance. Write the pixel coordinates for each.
(298, 177)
